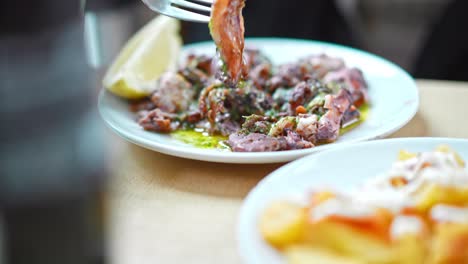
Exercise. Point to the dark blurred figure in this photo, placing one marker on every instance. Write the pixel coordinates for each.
(318, 20)
(445, 53)
(52, 146)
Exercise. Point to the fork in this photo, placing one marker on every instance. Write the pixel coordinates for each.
(182, 9)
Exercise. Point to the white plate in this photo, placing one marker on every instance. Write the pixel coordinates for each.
(393, 94)
(338, 168)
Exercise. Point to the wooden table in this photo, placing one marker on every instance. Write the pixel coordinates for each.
(164, 209)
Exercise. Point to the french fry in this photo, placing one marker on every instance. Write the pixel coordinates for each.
(406, 155)
(432, 194)
(303, 254)
(348, 241)
(450, 244)
(447, 149)
(410, 249)
(282, 223)
(331, 230)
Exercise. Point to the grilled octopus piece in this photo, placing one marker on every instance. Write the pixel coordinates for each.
(159, 121)
(227, 30)
(329, 125)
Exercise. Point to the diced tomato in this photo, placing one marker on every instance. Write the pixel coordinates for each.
(301, 110)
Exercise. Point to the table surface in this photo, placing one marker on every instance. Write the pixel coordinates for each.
(164, 209)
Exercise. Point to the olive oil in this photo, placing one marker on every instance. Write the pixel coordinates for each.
(200, 139)
(364, 110)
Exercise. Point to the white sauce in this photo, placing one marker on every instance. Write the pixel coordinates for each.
(341, 207)
(447, 213)
(389, 199)
(379, 192)
(454, 177)
(403, 225)
(302, 199)
(444, 170)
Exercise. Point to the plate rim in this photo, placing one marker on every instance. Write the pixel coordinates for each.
(266, 157)
(243, 219)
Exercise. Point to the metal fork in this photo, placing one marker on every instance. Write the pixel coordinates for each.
(182, 9)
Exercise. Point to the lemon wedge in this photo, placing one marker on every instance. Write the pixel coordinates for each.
(153, 50)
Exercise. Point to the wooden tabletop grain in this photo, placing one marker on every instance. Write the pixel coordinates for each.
(163, 209)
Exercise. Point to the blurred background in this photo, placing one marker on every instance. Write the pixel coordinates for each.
(53, 145)
(422, 36)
